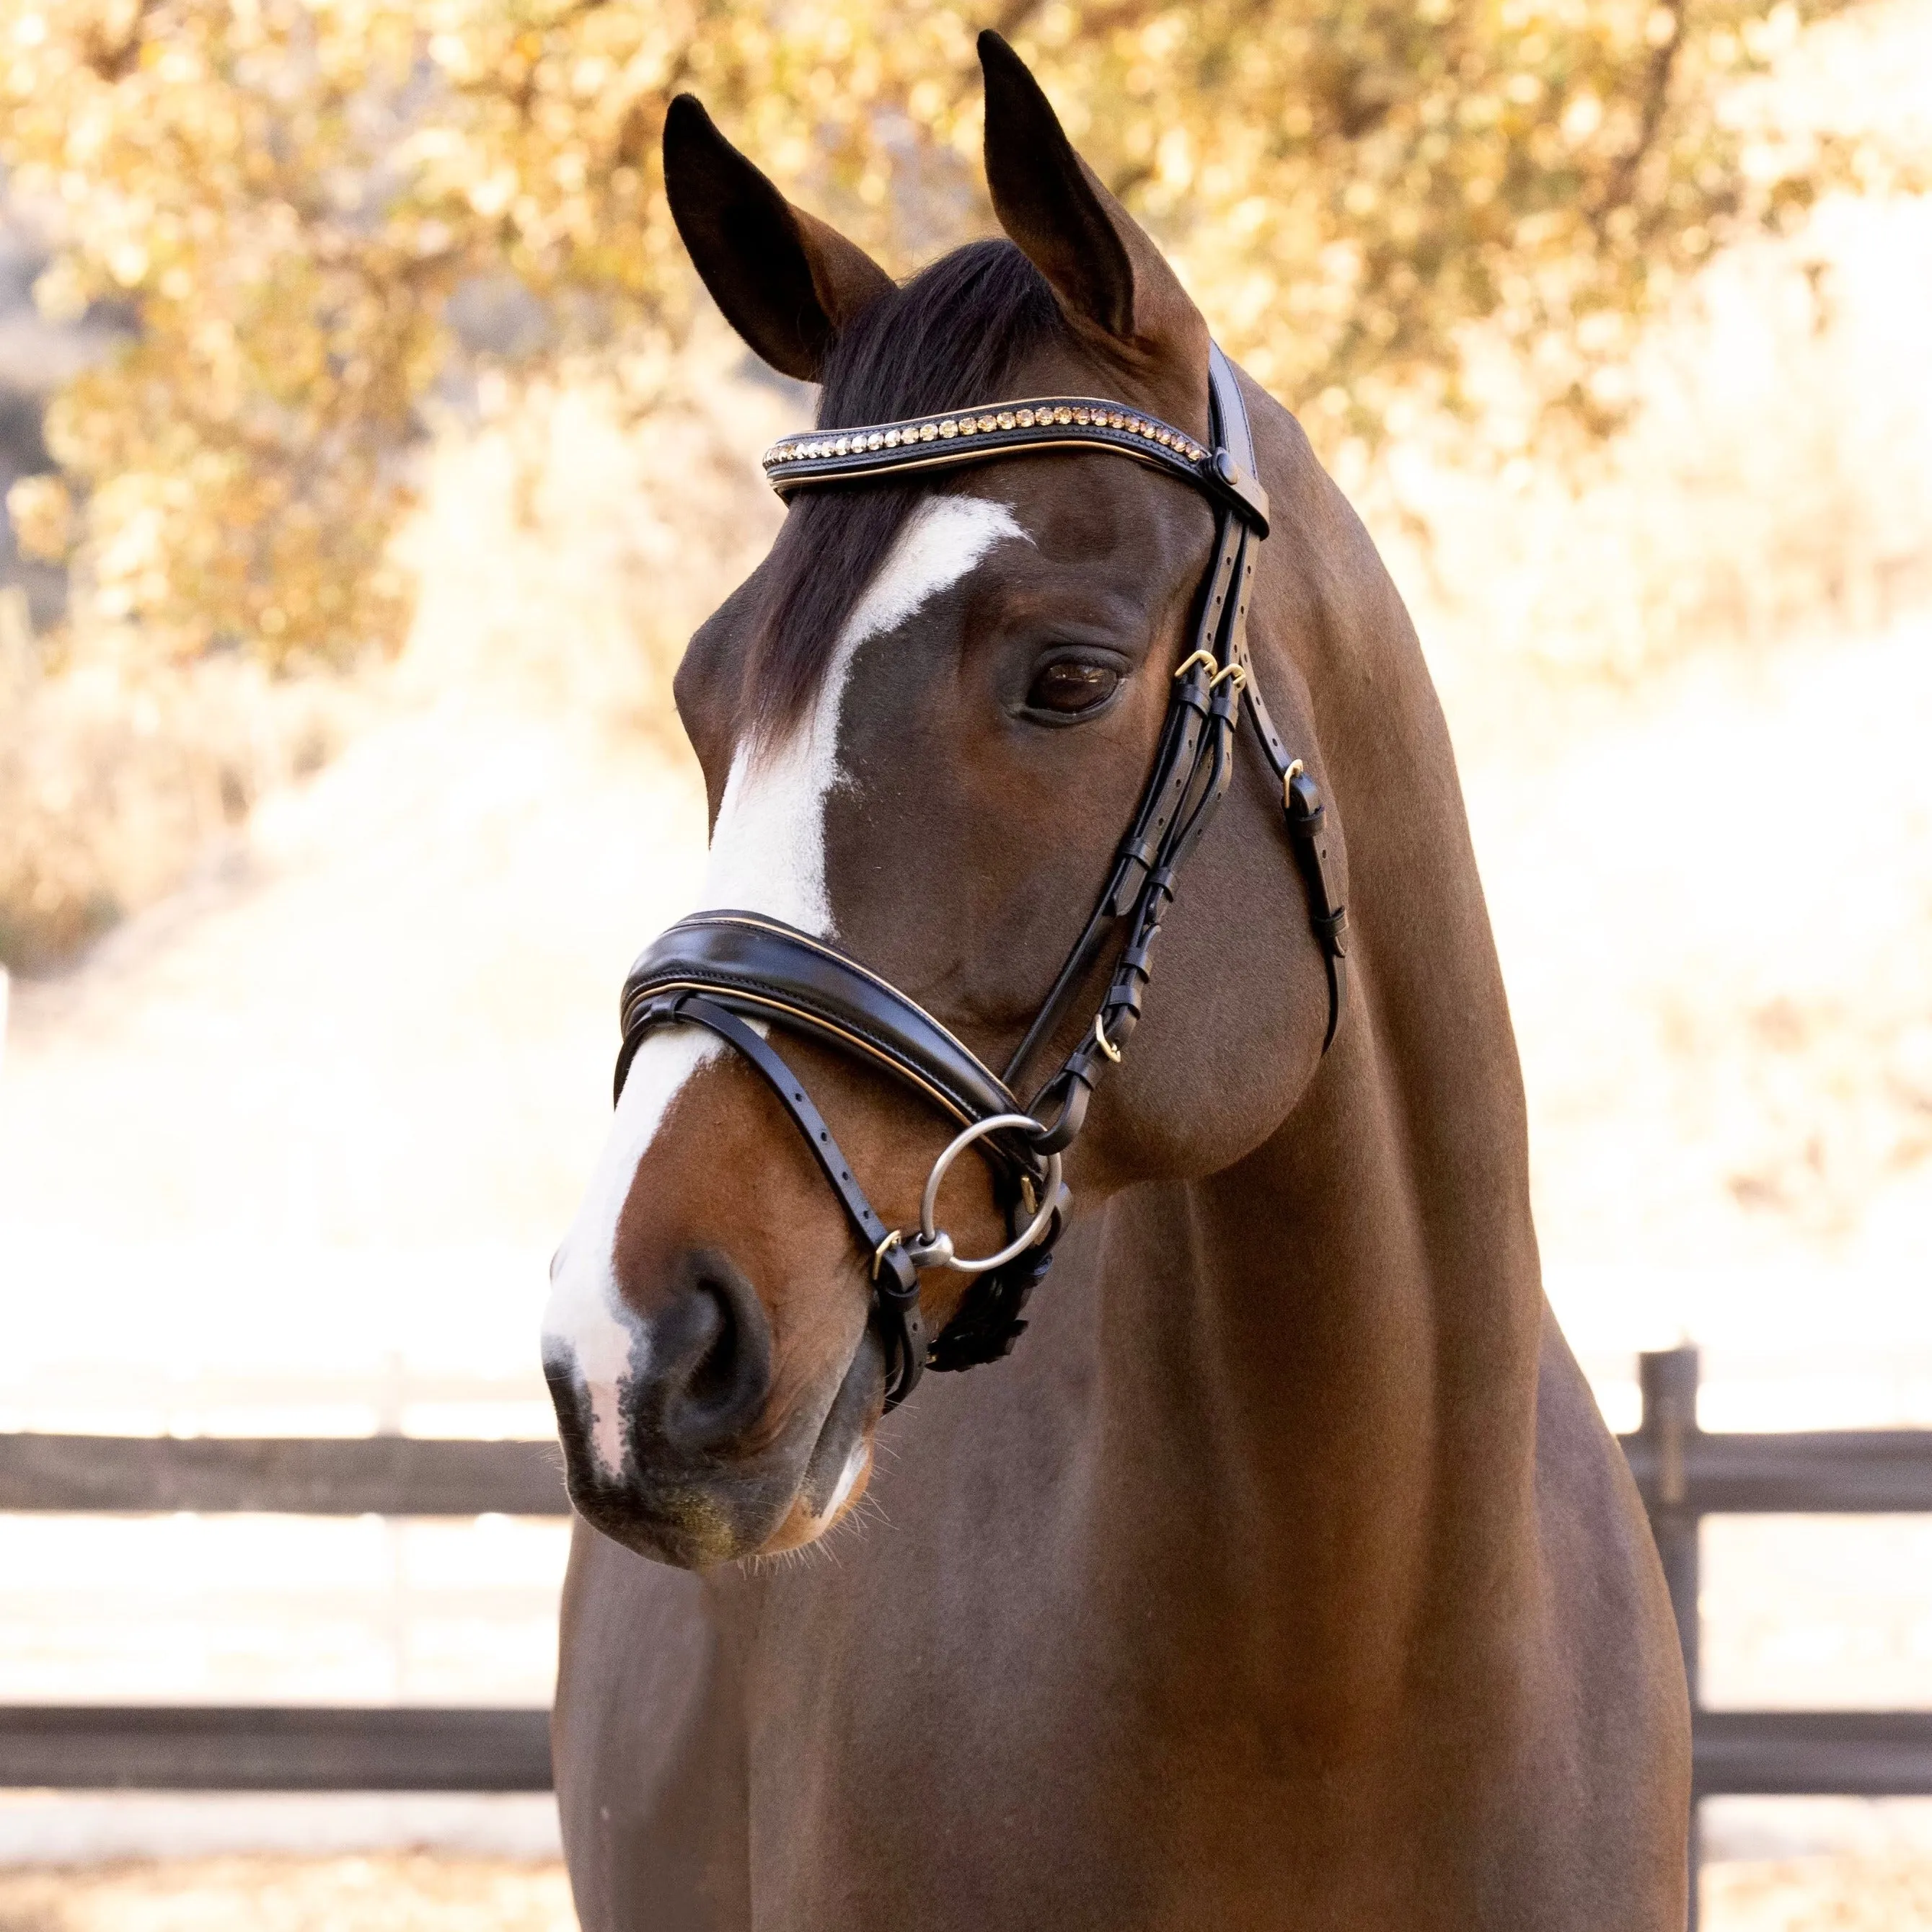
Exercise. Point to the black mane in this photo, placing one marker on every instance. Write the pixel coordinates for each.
(951, 336)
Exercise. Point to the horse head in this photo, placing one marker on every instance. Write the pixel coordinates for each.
(925, 722)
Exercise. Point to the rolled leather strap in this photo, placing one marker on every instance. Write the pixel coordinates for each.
(1307, 822)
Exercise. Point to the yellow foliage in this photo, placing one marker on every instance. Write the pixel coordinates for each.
(42, 514)
(287, 192)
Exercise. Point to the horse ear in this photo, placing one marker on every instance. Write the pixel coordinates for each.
(1111, 280)
(786, 283)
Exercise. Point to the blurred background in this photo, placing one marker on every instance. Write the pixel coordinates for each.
(368, 454)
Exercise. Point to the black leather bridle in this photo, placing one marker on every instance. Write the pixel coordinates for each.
(737, 973)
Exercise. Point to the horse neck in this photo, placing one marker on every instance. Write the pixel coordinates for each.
(1336, 1340)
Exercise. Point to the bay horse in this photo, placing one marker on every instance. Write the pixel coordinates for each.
(1283, 1574)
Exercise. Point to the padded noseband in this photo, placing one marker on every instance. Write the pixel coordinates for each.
(759, 966)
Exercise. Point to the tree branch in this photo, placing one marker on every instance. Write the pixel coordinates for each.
(1622, 184)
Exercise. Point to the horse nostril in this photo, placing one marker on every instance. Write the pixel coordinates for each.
(716, 1359)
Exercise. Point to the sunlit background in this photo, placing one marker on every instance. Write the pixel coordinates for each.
(369, 454)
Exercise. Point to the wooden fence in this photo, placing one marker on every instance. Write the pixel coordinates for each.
(289, 1747)
(1683, 1473)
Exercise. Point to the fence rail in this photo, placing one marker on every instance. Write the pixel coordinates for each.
(349, 1475)
(1826, 1472)
(1810, 1754)
(1684, 1474)
(263, 1747)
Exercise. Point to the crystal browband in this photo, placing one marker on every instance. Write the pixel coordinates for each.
(954, 436)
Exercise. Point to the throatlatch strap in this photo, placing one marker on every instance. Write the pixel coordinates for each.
(1302, 807)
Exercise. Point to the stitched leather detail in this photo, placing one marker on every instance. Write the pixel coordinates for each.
(795, 979)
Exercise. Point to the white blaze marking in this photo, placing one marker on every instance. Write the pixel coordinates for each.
(768, 848)
(585, 1320)
(767, 855)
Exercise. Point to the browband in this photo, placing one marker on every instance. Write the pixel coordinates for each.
(955, 436)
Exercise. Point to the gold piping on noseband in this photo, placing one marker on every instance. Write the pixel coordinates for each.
(811, 1022)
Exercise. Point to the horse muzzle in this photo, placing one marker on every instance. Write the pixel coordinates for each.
(693, 1456)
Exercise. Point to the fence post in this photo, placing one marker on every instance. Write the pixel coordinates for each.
(1667, 1380)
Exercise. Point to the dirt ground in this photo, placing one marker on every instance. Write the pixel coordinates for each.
(413, 1891)
(419, 1892)
(1825, 1894)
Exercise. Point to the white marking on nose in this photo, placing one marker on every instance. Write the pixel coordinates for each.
(586, 1322)
(767, 855)
(855, 1464)
(768, 848)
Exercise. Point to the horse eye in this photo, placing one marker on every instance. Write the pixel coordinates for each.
(1069, 687)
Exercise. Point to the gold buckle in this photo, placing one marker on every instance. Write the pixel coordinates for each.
(884, 1248)
(1239, 673)
(1199, 658)
(1105, 1045)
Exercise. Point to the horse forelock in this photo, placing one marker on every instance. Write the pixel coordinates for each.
(954, 334)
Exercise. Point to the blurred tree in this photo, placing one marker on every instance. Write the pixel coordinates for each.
(288, 193)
